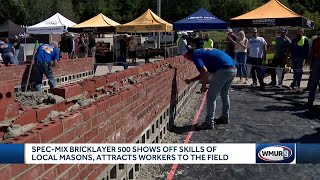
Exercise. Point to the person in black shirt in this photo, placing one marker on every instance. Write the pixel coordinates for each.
(123, 47)
(231, 41)
(66, 43)
(92, 44)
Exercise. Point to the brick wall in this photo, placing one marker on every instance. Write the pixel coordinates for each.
(118, 118)
(18, 74)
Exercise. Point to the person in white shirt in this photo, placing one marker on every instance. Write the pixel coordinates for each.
(241, 56)
(133, 44)
(257, 48)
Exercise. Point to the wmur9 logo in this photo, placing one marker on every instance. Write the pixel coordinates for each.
(275, 153)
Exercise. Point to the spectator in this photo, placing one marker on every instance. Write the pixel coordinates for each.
(241, 57)
(182, 42)
(208, 43)
(133, 44)
(282, 44)
(231, 43)
(299, 53)
(66, 43)
(45, 59)
(82, 46)
(16, 45)
(315, 73)
(7, 52)
(257, 48)
(123, 47)
(92, 45)
(198, 41)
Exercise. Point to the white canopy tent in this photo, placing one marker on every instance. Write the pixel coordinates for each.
(53, 25)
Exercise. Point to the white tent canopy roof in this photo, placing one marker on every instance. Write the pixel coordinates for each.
(53, 25)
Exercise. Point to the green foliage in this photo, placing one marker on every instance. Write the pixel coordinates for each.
(30, 12)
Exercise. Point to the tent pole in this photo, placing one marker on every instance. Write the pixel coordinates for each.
(172, 45)
(165, 45)
(114, 46)
(25, 45)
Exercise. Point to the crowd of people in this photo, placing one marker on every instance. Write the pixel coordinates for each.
(77, 47)
(218, 68)
(9, 50)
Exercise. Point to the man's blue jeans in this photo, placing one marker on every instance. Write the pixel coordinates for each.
(219, 83)
(40, 69)
(314, 81)
(297, 64)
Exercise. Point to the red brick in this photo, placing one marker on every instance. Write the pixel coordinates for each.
(103, 104)
(87, 85)
(147, 67)
(84, 127)
(88, 112)
(76, 169)
(110, 78)
(29, 137)
(5, 172)
(9, 111)
(16, 169)
(71, 120)
(99, 119)
(63, 106)
(51, 174)
(32, 173)
(26, 118)
(67, 91)
(48, 166)
(50, 131)
(99, 81)
(98, 170)
(61, 168)
(67, 137)
(90, 135)
(125, 95)
(7, 95)
(114, 100)
(42, 113)
(64, 177)
(98, 139)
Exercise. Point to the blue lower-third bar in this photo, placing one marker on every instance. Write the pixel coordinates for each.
(11, 153)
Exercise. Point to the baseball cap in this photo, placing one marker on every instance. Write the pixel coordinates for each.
(65, 30)
(254, 30)
(229, 30)
(283, 30)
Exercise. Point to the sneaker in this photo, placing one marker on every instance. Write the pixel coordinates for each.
(254, 84)
(221, 120)
(204, 126)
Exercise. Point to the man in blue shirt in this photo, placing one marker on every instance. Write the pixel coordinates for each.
(46, 57)
(218, 69)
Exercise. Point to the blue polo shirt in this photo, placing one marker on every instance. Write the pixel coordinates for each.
(46, 53)
(212, 59)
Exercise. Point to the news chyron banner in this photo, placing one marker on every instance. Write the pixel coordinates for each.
(159, 153)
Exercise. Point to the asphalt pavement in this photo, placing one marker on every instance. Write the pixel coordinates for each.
(276, 115)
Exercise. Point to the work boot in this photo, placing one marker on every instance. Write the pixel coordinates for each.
(221, 120)
(204, 126)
